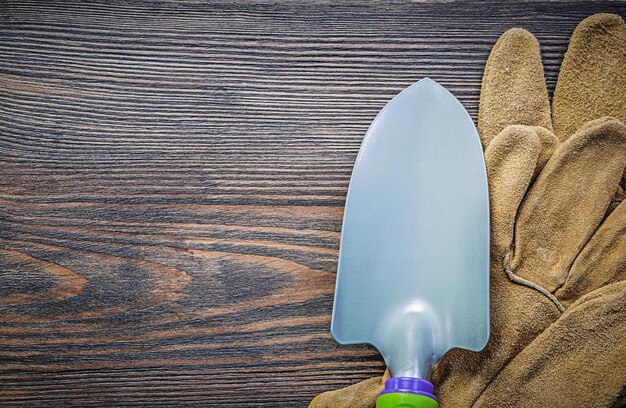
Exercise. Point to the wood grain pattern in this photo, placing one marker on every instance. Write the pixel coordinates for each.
(172, 177)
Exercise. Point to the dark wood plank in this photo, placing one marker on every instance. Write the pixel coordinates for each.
(172, 177)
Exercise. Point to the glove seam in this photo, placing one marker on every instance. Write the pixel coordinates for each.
(524, 282)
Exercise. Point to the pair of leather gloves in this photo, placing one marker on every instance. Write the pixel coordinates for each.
(558, 232)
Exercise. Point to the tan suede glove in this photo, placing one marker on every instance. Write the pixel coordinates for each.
(558, 231)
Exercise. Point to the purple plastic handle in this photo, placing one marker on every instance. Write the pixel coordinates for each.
(409, 385)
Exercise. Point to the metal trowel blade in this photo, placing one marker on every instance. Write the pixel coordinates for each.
(413, 274)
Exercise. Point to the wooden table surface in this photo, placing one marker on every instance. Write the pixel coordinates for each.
(172, 181)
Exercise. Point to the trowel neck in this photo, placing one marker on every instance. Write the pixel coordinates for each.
(407, 392)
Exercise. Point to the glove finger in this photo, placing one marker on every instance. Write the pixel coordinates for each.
(592, 80)
(514, 89)
(359, 395)
(579, 361)
(568, 201)
(602, 261)
(511, 159)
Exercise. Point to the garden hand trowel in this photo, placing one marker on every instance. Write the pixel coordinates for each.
(413, 275)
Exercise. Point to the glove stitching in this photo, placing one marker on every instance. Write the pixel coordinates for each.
(521, 281)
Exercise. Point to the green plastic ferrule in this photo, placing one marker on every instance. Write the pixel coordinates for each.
(405, 400)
